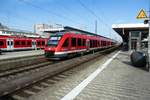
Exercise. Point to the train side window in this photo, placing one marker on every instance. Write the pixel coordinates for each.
(38, 43)
(99, 43)
(104, 43)
(8, 43)
(43, 43)
(11, 42)
(1, 43)
(17, 43)
(28, 43)
(95, 44)
(90, 43)
(79, 42)
(66, 43)
(83, 42)
(73, 42)
(23, 43)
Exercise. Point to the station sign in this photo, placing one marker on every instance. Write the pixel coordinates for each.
(142, 15)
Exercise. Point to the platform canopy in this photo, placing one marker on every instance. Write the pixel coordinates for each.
(124, 29)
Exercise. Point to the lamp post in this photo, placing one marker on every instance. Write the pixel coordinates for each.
(149, 36)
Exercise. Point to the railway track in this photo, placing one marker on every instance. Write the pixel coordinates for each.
(13, 63)
(24, 77)
(23, 69)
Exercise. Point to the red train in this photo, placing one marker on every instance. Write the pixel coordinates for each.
(66, 44)
(9, 43)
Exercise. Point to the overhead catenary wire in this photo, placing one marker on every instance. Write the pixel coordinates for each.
(13, 16)
(94, 14)
(49, 11)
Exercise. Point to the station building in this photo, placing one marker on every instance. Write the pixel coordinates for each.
(6, 31)
(132, 34)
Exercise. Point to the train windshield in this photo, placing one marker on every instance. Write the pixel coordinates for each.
(53, 41)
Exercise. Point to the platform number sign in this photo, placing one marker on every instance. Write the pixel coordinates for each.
(142, 15)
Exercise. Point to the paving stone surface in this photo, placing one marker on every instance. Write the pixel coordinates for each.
(119, 81)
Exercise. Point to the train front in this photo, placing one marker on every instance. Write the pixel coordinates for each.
(52, 45)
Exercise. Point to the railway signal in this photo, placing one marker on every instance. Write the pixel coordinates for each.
(142, 15)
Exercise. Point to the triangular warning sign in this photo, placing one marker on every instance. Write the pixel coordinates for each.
(142, 15)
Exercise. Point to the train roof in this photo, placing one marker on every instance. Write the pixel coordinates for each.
(78, 31)
(68, 29)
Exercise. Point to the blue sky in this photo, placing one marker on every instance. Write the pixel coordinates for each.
(23, 15)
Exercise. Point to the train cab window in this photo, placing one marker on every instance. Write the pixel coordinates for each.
(73, 42)
(54, 40)
(66, 43)
(79, 42)
(1, 43)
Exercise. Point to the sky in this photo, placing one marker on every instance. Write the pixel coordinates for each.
(82, 14)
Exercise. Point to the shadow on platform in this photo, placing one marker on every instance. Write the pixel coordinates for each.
(130, 64)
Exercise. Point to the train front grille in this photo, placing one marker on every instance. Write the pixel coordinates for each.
(49, 53)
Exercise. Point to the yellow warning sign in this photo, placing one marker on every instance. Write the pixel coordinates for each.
(142, 15)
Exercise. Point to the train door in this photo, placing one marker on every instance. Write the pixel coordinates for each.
(10, 44)
(33, 44)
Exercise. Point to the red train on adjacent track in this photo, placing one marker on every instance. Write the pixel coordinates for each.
(65, 44)
(10, 43)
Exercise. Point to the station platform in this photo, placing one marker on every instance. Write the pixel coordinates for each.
(15, 54)
(116, 79)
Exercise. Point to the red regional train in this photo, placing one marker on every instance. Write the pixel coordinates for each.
(68, 43)
(10, 43)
